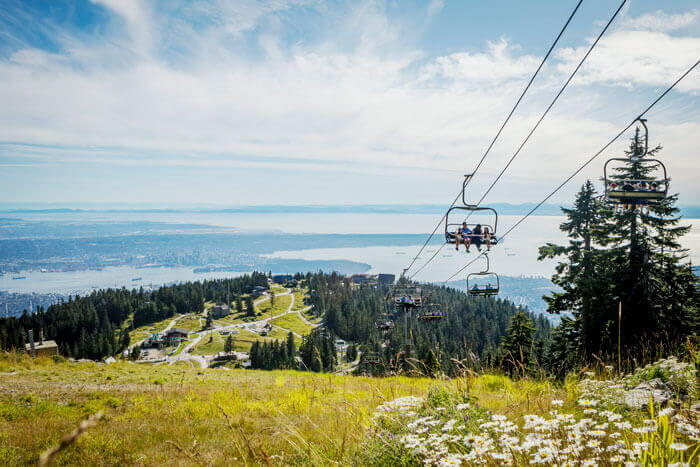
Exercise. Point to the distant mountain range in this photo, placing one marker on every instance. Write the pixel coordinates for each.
(502, 208)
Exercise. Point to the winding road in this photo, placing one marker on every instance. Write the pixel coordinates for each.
(204, 360)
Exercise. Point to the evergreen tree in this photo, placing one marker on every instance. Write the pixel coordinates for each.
(249, 306)
(631, 258)
(228, 344)
(585, 276)
(518, 342)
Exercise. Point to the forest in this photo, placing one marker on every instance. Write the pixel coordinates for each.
(96, 326)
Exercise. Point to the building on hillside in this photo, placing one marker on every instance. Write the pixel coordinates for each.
(43, 348)
(384, 279)
(175, 335)
(363, 279)
(258, 291)
(220, 311)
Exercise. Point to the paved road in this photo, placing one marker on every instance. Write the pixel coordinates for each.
(205, 360)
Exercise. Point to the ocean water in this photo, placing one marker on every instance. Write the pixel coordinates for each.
(516, 255)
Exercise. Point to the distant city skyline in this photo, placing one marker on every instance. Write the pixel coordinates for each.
(303, 102)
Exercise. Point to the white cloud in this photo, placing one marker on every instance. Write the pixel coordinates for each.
(493, 66)
(374, 106)
(660, 21)
(628, 57)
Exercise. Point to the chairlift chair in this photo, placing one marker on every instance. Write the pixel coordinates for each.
(407, 296)
(384, 323)
(628, 191)
(372, 358)
(451, 226)
(432, 312)
(475, 289)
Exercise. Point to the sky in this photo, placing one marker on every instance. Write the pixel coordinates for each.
(323, 102)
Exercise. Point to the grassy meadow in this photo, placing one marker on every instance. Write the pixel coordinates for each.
(180, 415)
(177, 415)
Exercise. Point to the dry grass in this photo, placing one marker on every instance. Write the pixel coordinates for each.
(176, 415)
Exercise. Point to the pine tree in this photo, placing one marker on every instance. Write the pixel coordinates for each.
(228, 345)
(584, 277)
(249, 306)
(518, 341)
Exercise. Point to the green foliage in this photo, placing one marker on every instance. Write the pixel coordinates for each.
(471, 328)
(680, 376)
(629, 259)
(228, 346)
(94, 326)
(518, 342)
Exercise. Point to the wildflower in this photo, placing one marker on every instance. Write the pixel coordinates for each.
(589, 463)
(597, 433)
(587, 402)
(462, 406)
(557, 402)
(667, 412)
(679, 464)
(617, 459)
(679, 446)
(590, 411)
(593, 444)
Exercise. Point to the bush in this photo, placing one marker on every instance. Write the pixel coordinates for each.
(679, 376)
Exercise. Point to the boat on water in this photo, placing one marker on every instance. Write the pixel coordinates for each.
(135, 279)
(16, 278)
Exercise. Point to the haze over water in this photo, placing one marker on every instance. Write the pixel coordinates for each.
(516, 255)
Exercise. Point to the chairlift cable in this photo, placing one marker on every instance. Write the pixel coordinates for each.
(544, 114)
(586, 163)
(498, 134)
(554, 101)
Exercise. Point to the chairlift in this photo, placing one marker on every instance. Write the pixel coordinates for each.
(432, 312)
(384, 323)
(372, 358)
(452, 226)
(644, 190)
(489, 289)
(407, 296)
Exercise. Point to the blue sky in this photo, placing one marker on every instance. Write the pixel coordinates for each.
(301, 101)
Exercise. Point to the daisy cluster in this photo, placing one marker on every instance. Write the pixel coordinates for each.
(590, 428)
(597, 437)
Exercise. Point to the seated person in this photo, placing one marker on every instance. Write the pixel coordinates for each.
(487, 238)
(410, 302)
(476, 237)
(627, 186)
(475, 287)
(462, 235)
(643, 186)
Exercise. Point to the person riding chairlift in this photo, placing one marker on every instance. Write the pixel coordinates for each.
(487, 238)
(476, 237)
(462, 235)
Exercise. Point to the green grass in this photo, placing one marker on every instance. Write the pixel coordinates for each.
(209, 348)
(179, 414)
(277, 289)
(299, 296)
(190, 323)
(309, 315)
(292, 322)
(282, 303)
